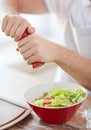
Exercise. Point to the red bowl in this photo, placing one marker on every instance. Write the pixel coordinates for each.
(56, 115)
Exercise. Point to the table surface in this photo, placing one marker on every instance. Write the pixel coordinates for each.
(16, 77)
(78, 122)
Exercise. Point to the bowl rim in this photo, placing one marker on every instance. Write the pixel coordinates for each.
(55, 107)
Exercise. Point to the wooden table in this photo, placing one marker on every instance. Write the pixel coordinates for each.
(78, 122)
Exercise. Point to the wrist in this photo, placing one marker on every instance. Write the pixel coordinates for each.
(61, 55)
(12, 6)
(13, 11)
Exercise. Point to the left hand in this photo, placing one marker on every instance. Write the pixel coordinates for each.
(15, 25)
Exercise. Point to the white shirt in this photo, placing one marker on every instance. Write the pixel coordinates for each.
(77, 15)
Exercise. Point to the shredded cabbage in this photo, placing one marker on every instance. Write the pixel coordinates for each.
(60, 97)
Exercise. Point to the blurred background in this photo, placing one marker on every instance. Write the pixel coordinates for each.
(46, 25)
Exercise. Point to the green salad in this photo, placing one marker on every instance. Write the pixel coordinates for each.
(58, 97)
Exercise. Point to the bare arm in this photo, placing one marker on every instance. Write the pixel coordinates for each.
(29, 6)
(75, 65)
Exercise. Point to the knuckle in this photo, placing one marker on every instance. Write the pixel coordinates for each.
(19, 18)
(21, 51)
(12, 18)
(7, 33)
(28, 61)
(24, 58)
(12, 35)
(24, 20)
(17, 36)
(19, 46)
(6, 17)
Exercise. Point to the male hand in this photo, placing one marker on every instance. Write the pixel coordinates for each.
(15, 26)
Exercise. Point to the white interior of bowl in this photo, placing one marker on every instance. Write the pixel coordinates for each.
(37, 91)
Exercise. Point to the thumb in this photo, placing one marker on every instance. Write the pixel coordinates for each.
(31, 30)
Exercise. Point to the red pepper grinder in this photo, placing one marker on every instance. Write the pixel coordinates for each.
(36, 64)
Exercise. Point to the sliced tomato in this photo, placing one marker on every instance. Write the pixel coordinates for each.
(48, 100)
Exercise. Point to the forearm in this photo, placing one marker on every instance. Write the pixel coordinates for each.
(12, 6)
(29, 6)
(75, 65)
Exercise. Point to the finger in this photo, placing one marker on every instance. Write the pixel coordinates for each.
(4, 23)
(24, 48)
(23, 41)
(32, 59)
(9, 26)
(31, 30)
(28, 54)
(15, 27)
(21, 29)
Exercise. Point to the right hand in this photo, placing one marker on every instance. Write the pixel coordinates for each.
(15, 26)
(35, 48)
